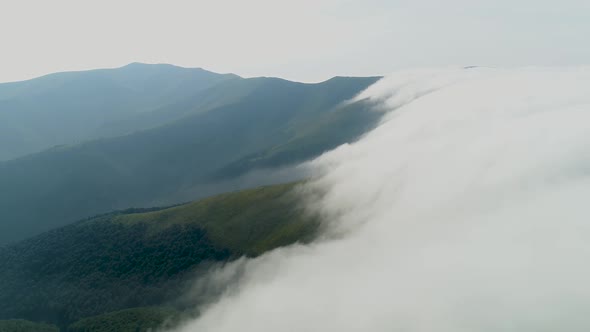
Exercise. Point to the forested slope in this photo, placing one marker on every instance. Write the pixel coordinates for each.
(131, 259)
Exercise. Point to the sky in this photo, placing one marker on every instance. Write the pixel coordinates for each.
(301, 40)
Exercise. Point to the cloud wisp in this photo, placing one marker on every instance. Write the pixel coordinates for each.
(465, 210)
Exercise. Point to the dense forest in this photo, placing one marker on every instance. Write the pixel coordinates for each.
(138, 258)
(21, 325)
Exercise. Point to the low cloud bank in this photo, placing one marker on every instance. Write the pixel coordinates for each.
(465, 210)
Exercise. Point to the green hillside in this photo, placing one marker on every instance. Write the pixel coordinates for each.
(20, 325)
(128, 320)
(262, 123)
(133, 259)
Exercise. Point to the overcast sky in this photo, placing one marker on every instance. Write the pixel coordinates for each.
(301, 40)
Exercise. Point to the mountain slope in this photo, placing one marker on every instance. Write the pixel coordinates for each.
(271, 123)
(128, 320)
(66, 108)
(131, 259)
(20, 325)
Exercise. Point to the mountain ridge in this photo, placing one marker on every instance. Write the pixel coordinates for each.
(200, 147)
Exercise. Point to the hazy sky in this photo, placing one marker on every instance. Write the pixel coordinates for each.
(302, 40)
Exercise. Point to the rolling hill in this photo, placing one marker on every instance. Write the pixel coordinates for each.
(138, 258)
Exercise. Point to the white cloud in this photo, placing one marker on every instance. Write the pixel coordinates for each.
(466, 210)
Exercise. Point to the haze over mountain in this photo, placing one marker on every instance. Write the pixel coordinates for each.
(66, 108)
(465, 210)
(170, 135)
(297, 165)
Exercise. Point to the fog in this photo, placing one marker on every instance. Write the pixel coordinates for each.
(465, 210)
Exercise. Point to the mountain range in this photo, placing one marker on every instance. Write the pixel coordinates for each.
(152, 135)
(88, 158)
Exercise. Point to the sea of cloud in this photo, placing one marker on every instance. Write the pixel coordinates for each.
(466, 209)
